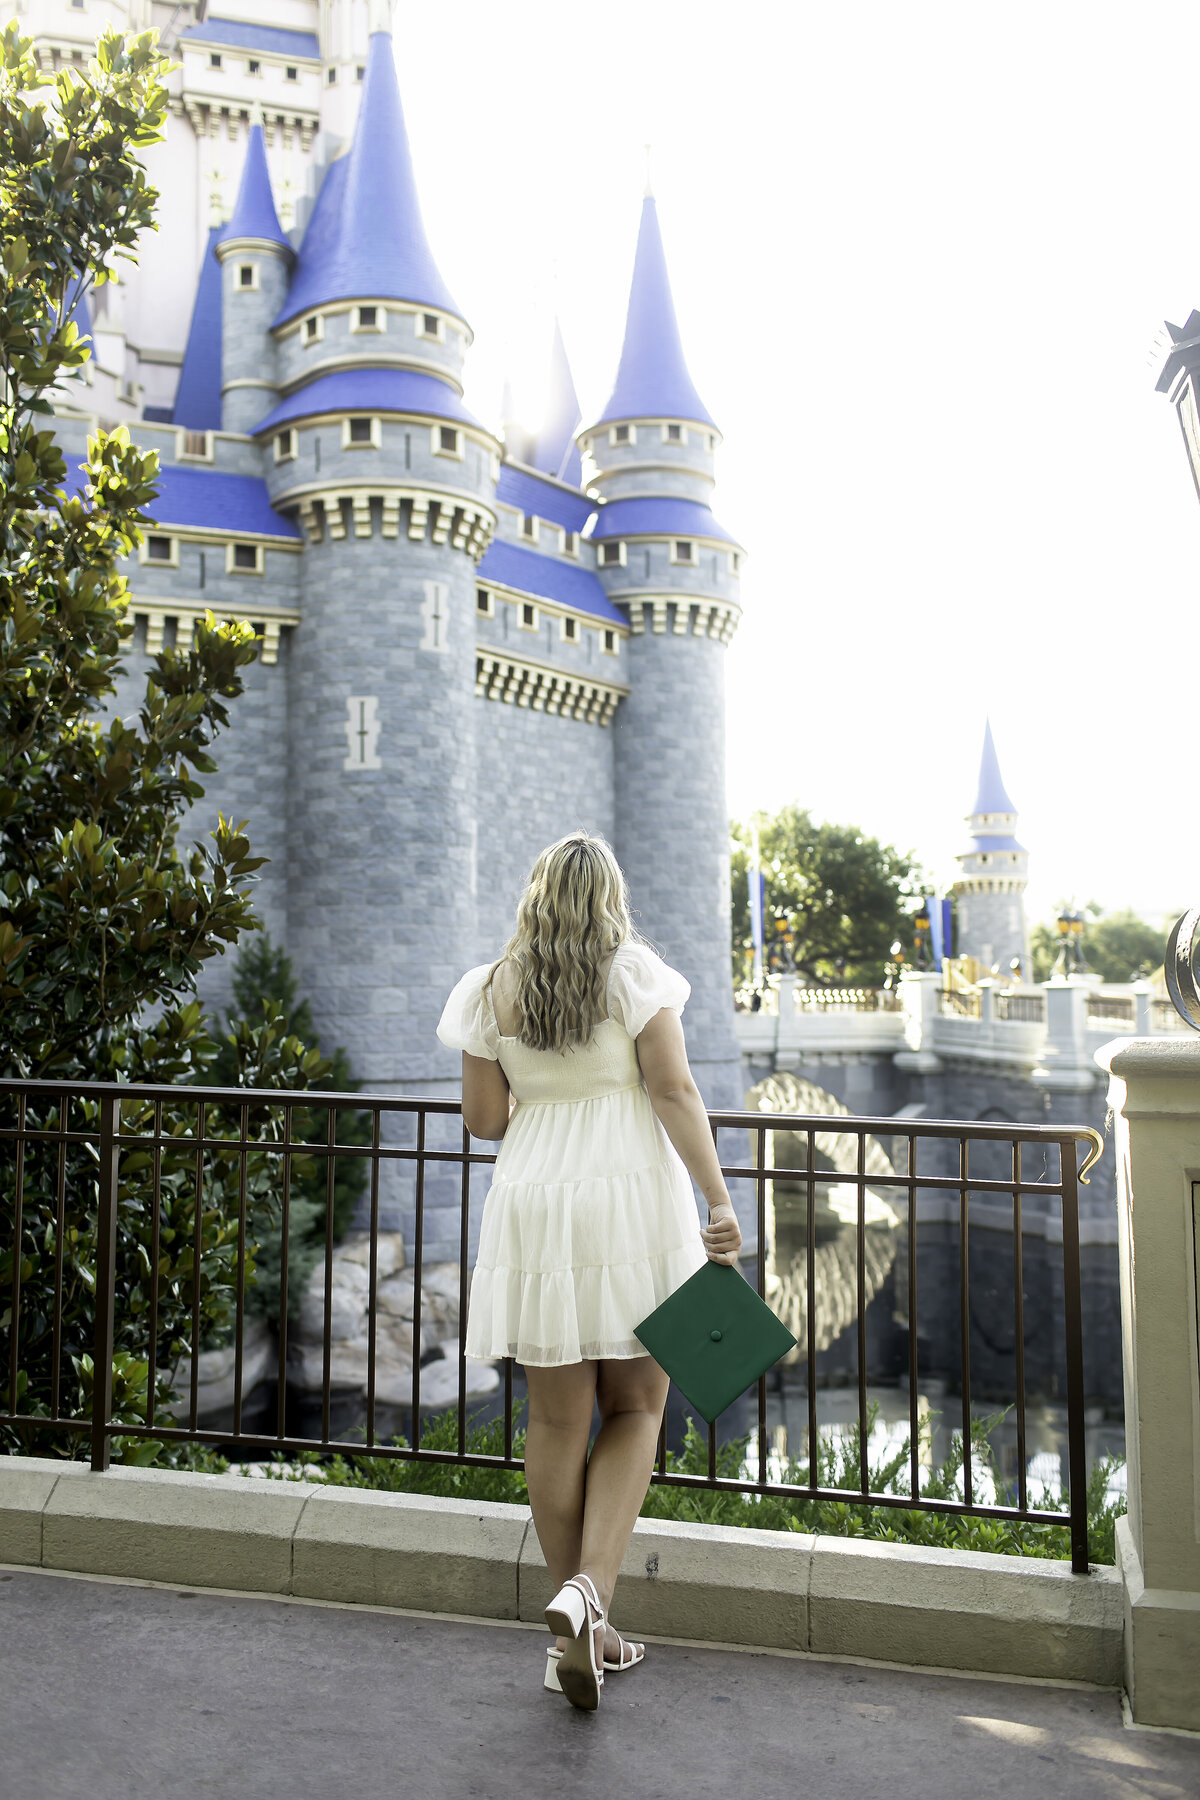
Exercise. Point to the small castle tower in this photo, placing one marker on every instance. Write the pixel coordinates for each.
(394, 482)
(663, 558)
(995, 871)
(255, 258)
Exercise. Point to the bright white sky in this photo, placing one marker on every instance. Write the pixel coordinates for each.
(920, 255)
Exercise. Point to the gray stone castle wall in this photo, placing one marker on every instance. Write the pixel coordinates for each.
(538, 776)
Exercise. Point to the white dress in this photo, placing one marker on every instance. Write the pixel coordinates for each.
(590, 1221)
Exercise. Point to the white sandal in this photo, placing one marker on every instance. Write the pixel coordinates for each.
(570, 1615)
(629, 1655)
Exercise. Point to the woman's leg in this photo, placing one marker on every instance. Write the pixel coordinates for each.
(556, 1443)
(631, 1396)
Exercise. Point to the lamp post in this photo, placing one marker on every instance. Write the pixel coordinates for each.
(922, 929)
(1070, 959)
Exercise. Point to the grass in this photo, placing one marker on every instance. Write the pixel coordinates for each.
(838, 1464)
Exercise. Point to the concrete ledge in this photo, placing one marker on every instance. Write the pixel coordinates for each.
(456, 1556)
(715, 1582)
(939, 1609)
(1010, 1615)
(163, 1525)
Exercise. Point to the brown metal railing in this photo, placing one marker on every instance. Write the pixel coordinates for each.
(121, 1164)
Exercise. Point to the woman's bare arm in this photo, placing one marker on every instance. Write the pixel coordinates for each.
(485, 1097)
(676, 1099)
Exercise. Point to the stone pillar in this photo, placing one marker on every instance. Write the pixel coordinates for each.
(919, 992)
(1066, 1063)
(1154, 1092)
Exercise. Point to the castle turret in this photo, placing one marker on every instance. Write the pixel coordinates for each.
(394, 482)
(664, 559)
(555, 451)
(255, 258)
(991, 923)
(198, 392)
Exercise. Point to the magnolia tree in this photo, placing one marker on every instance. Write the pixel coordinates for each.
(105, 916)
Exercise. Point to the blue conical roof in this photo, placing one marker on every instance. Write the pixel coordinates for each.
(652, 380)
(365, 239)
(254, 214)
(198, 395)
(993, 795)
(556, 452)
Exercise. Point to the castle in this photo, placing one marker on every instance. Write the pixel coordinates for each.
(470, 644)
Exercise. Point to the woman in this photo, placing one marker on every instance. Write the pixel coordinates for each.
(573, 1054)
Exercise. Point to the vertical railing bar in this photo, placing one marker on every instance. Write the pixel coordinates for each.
(508, 1409)
(60, 1221)
(661, 1459)
(285, 1230)
(1073, 1321)
(373, 1283)
(14, 1305)
(106, 1270)
(155, 1255)
(761, 1273)
(240, 1315)
(197, 1255)
(712, 1451)
(327, 1345)
(1019, 1325)
(914, 1417)
(964, 1301)
(418, 1255)
(464, 1220)
(864, 1482)
(810, 1323)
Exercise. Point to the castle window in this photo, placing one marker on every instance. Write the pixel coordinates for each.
(244, 559)
(570, 543)
(197, 445)
(214, 59)
(78, 5)
(611, 553)
(429, 325)
(983, 859)
(360, 74)
(712, 440)
(447, 441)
(361, 434)
(623, 434)
(683, 551)
(529, 527)
(368, 318)
(611, 643)
(735, 562)
(248, 275)
(674, 434)
(528, 616)
(285, 445)
(314, 328)
(160, 549)
(253, 67)
(290, 73)
(483, 603)
(570, 631)
(330, 77)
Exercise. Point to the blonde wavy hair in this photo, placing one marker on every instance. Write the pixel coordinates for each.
(573, 914)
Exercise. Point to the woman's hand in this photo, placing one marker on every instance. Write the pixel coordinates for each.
(722, 1235)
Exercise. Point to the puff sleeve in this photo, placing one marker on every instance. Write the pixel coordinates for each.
(641, 984)
(467, 1021)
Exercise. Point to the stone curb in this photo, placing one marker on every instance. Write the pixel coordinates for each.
(941, 1609)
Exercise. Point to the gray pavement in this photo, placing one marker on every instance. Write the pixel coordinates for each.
(113, 1691)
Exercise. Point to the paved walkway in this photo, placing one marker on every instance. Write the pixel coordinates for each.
(110, 1691)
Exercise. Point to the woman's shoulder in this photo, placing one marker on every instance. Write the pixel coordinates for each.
(642, 984)
(467, 1021)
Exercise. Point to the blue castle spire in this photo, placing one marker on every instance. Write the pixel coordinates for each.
(652, 380)
(254, 214)
(198, 395)
(992, 796)
(556, 452)
(365, 238)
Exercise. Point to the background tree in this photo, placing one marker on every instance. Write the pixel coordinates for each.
(1118, 946)
(104, 918)
(845, 896)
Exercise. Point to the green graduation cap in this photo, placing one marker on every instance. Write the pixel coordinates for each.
(714, 1337)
